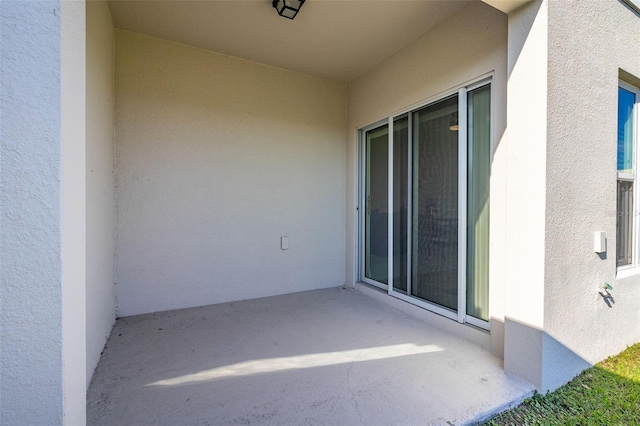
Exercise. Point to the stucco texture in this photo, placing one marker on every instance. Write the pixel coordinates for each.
(30, 294)
(100, 288)
(589, 42)
(216, 159)
(525, 192)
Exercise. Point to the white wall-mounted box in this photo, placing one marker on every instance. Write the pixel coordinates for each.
(599, 242)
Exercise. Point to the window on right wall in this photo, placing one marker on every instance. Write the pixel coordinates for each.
(627, 203)
(633, 4)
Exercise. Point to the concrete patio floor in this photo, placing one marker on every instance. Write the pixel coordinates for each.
(334, 357)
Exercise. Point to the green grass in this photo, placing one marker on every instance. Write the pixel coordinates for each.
(606, 394)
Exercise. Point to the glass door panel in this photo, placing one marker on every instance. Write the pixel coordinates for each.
(400, 202)
(376, 205)
(435, 203)
(479, 162)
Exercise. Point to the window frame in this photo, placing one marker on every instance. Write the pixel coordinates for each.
(634, 5)
(633, 267)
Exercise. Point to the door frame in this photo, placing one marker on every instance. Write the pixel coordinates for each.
(462, 90)
(361, 205)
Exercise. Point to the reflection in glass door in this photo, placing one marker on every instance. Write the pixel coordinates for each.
(435, 204)
(376, 205)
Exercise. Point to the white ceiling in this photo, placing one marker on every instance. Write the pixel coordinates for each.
(333, 39)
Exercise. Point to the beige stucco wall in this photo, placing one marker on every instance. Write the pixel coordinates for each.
(526, 191)
(31, 377)
(217, 158)
(43, 347)
(565, 59)
(73, 210)
(471, 44)
(589, 42)
(100, 291)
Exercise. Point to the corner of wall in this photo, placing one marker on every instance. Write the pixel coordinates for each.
(73, 204)
(100, 190)
(215, 163)
(525, 204)
(523, 351)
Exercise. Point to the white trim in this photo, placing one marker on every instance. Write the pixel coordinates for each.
(627, 271)
(629, 177)
(636, 151)
(477, 322)
(472, 84)
(634, 266)
(374, 283)
(628, 87)
(359, 207)
(390, 206)
(462, 204)
(375, 125)
(409, 203)
(479, 83)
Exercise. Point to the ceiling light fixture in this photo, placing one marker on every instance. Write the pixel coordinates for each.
(453, 122)
(288, 8)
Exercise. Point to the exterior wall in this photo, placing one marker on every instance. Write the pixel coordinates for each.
(469, 45)
(31, 293)
(565, 59)
(589, 42)
(216, 159)
(526, 192)
(73, 211)
(101, 293)
(42, 217)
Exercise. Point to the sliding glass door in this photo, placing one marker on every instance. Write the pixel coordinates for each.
(435, 204)
(376, 206)
(425, 193)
